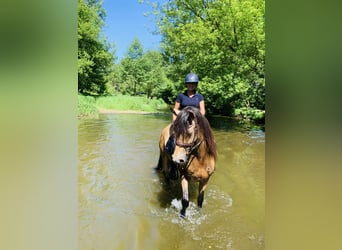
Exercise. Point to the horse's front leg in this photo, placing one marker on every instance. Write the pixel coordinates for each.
(201, 189)
(185, 198)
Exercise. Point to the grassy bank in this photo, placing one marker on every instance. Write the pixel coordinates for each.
(91, 107)
(87, 106)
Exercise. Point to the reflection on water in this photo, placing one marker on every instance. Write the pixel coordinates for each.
(124, 203)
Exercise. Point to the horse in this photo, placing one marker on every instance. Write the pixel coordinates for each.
(188, 150)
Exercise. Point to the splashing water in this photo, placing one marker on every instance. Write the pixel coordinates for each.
(193, 214)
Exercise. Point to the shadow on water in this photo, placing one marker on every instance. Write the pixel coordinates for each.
(173, 190)
(168, 191)
(229, 124)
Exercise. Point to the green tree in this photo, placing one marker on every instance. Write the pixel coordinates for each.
(223, 41)
(131, 68)
(95, 61)
(135, 50)
(154, 79)
(142, 72)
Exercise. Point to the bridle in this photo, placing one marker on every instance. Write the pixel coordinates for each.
(190, 148)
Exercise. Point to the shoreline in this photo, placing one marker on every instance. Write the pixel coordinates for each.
(113, 111)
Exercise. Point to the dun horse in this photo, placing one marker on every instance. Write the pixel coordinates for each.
(190, 152)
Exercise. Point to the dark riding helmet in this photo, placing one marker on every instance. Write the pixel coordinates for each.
(191, 78)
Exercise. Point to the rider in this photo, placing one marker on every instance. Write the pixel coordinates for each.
(190, 97)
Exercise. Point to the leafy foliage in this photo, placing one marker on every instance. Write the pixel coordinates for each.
(94, 59)
(142, 72)
(224, 42)
(132, 68)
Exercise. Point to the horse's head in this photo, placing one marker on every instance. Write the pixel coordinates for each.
(186, 134)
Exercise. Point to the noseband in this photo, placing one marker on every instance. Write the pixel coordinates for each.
(190, 147)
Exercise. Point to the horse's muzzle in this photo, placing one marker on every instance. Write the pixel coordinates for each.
(180, 158)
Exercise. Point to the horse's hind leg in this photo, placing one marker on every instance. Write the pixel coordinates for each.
(201, 189)
(185, 198)
(163, 161)
(160, 163)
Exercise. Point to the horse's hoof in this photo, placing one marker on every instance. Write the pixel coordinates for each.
(182, 215)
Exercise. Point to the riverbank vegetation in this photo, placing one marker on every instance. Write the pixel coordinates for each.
(90, 107)
(87, 107)
(222, 41)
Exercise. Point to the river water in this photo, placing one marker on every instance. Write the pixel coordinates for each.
(124, 203)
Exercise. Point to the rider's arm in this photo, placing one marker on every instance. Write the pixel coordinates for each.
(176, 107)
(202, 107)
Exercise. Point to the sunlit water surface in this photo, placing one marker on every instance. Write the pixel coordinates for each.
(125, 204)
